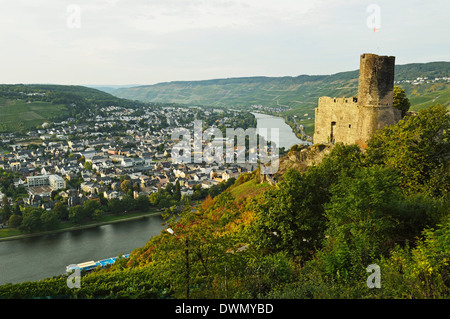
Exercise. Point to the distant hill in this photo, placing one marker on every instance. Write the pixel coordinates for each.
(110, 88)
(292, 97)
(301, 92)
(25, 106)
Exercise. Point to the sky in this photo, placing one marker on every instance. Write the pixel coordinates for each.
(131, 42)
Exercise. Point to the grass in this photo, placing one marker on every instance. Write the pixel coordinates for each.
(19, 115)
(9, 232)
(111, 218)
(425, 100)
(249, 189)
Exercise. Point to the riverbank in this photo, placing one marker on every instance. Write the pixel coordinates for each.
(286, 135)
(303, 131)
(119, 219)
(40, 257)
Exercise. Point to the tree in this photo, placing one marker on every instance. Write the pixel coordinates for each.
(115, 206)
(417, 146)
(98, 214)
(214, 191)
(6, 208)
(366, 217)
(284, 222)
(90, 206)
(401, 102)
(61, 210)
(126, 186)
(53, 194)
(142, 203)
(76, 214)
(16, 210)
(154, 198)
(185, 200)
(103, 200)
(177, 192)
(88, 165)
(169, 188)
(197, 195)
(427, 274)
(291, 216)
(128, 203)
(31, 220)
(49, 220)
(14, 221)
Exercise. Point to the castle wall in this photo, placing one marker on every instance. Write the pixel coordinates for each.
(337, 119)
(351, 120)
(372, 119)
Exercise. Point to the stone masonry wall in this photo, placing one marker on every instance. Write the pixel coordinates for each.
(376, 80)
(343, 112)
(355, 120)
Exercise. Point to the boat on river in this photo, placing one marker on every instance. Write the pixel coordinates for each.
(90, 265)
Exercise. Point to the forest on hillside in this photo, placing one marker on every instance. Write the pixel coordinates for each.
(25, 106)
(313, 235)
(295, 93)
(78, 99)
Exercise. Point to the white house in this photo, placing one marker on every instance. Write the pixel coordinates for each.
(127, 162)
(56, 182)
(113, 194)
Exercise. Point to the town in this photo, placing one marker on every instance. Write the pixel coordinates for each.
(89, 158)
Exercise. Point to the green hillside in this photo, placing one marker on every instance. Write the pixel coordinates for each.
(293, 96)
(23, 107)
(422, 96)
(19, 115)
(282, 93)
(311, 236)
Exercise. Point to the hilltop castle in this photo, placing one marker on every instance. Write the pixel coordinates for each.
(354, 120)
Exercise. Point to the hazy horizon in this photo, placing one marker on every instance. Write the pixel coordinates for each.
(211, 79)
(116, 42)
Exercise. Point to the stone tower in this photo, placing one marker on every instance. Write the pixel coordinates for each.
(375, 95)
(355, 120)
(376, 80)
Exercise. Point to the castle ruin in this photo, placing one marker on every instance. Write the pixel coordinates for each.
(355, 120)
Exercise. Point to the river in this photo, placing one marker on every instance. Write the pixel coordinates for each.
(40, 257)
(287, 138)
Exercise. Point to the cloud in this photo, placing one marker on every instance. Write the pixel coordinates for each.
(163, 17)
(163, 40)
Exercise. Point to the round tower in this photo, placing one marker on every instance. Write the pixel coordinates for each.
(376, 80)
(375, 96)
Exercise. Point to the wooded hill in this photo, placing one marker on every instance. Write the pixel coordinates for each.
(292, 95)
(278, 92)
(25, 106)
(312, 235)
